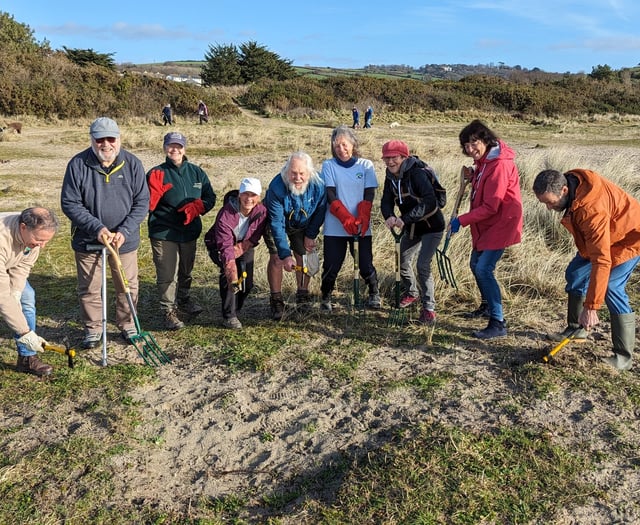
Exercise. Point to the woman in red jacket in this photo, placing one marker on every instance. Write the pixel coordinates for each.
(495, 217)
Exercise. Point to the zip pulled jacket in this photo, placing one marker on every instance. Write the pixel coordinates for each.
(93, 198)
(415, 197)
(221, 237)
(289, 212)
(495, 215)
(604, 221)
(190, 182)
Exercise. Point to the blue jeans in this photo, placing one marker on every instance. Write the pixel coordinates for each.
(483, 266)
(28, 304)
(578, 273)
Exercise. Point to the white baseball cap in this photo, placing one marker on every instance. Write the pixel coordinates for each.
(252, 185)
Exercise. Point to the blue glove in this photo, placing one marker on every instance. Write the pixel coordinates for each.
(454, 225)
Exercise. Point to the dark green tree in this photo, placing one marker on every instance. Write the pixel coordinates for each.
(16, 37)
(602, 72)
(86, 57)
(221, 66)
(257, 62)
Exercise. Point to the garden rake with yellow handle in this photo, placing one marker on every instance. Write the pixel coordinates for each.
(146, 346)
(398, 315)
(444, 262)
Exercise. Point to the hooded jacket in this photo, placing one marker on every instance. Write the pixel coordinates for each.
(604, 221)
(221, 237)
(495, 214)
(416, 199)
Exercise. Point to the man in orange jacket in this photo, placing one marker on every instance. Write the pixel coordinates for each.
(604, 221)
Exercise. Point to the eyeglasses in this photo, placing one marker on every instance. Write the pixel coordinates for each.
(110, 140)
(386, 160)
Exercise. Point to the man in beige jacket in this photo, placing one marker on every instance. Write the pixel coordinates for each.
(22, 235)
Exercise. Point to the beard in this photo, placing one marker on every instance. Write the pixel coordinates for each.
(298, 191)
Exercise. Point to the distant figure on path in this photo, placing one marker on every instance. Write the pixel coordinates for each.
(166, 115)
(368, 117)
(356, 117)
(203, 112)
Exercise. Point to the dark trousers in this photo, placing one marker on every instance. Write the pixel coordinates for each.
(335, 251)
(232, 302)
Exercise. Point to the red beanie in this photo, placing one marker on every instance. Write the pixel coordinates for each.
(394, 148)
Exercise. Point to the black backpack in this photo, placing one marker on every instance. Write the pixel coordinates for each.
(441, 193)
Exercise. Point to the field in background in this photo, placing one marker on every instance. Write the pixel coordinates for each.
(487, 434)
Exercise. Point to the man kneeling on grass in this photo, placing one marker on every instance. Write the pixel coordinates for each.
(604, 221)
(22, 235)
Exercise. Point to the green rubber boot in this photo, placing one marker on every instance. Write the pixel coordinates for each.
(623, 337)
(574, 308)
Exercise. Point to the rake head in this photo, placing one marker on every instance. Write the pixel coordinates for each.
(149, 350)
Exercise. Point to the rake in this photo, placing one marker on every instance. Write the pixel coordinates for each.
(398, 315)
(146, 346)
(444, 262)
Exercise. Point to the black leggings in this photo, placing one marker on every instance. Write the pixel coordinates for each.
(335, 251)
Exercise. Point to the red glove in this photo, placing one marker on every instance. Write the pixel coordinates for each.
(192, 210)
(157, 188)
(348, 221)
(364, 216)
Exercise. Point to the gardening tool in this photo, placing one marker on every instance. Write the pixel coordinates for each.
(146, 346)
(103, 293)
(65, 350)
(239, 285)
(357, 304)
(444, 263)
(562, 344)
(398, 315)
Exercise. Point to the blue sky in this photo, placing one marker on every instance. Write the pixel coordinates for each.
(555, 36)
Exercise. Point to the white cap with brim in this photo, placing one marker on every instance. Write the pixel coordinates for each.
(252, 185)
(104, 127)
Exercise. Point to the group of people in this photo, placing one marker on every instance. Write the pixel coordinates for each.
(106, 195)
(368, 117)
(202, 111)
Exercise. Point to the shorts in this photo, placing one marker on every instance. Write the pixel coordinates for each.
(296, 240)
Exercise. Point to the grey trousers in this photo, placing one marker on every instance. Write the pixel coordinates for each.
(174, 263)
(424, 247)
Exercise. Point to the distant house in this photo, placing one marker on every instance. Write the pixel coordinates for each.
(189, 79)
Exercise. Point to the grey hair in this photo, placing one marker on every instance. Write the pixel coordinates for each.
(38, 218)
(314, 176)
(349, 134)
(549, 181)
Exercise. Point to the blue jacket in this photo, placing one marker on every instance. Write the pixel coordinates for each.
(288, 212)
(93, 198)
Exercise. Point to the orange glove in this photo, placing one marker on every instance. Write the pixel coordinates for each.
(192, 210)
(364, 216)
(348, 221)
(157, 188)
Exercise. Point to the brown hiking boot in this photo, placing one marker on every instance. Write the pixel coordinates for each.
(190, 307)
(277, 306)
(172, 321)
(30, 364)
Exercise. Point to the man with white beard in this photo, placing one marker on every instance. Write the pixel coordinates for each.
(296, 204)
(105, 195)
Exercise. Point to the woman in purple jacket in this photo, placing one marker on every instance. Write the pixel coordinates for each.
(235, 233)
(495, 217)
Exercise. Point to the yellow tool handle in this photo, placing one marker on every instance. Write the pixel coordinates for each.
(60, 349)
(561, 345)
(302, 269)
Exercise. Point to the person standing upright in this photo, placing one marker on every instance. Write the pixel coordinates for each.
(495, 217)
(180, 193)
(356, 117)
(105, 196)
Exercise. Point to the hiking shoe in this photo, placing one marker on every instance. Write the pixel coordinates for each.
(172, 321)
(407, 300)
(325, 303)
(277, 306)
(233, 323)
(481, 311)
(580, 337)
(30, 364)
(374, 301)
(303, 300)
(495, 328)
(427, 316)
(190, 307)
(128, 334)
(91, 340)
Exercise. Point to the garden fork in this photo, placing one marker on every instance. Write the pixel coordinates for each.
(398, 315)
(443, 260)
